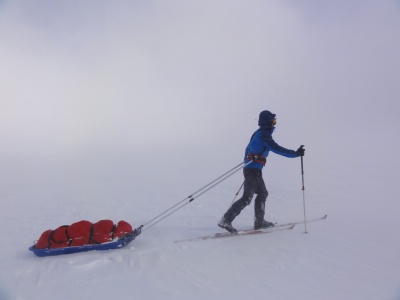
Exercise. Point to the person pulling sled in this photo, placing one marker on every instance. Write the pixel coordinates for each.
(261, 143)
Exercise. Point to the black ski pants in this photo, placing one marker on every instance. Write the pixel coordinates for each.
(253, 184)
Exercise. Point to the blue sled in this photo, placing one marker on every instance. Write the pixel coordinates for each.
(121, 242)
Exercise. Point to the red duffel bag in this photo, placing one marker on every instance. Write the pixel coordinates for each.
(83, 233)
(103, 231)
(79, 233)
(59, 237)
(122, 228)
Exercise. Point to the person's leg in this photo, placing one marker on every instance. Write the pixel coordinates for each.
(251, 181)
(259, 202)
(259, 207)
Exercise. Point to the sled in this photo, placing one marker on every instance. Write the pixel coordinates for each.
(116, 244)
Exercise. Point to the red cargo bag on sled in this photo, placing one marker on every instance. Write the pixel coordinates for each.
(85, 236)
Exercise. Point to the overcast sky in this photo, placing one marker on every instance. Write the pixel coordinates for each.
(82, 75)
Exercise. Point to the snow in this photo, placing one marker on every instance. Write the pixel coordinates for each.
(131, 108)
(353, 254)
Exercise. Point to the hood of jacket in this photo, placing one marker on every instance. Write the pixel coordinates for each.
(265, 119)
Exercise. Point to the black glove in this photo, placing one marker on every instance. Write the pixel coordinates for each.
(301, 150)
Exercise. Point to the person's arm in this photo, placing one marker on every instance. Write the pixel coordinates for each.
(274, 147)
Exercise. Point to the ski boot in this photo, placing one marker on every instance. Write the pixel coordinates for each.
(227, 225)
(263, 224)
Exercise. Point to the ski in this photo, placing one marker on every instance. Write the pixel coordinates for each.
(308, 221)
(277, 227)
(291, 223)
(254, 231)
(239, 233)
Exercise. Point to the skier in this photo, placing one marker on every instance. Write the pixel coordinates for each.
(257, 151)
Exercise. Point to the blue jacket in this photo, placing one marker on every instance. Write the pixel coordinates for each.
(261, 143)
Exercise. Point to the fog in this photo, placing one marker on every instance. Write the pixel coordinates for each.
(129, 89)
(120, 109)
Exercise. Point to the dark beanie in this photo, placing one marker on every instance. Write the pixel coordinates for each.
(265, 118)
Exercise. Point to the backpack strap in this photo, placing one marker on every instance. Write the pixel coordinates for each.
(91, 238)
(49, 239)
(113, 230)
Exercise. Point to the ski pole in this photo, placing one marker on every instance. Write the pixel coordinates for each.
(303, 189)
(237, 194)
(193, 196)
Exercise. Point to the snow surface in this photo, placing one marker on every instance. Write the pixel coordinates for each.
(353, 254)
(103, 117)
